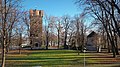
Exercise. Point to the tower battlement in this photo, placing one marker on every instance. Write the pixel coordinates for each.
(36, 13)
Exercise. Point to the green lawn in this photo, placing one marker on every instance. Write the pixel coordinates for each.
(60, 58)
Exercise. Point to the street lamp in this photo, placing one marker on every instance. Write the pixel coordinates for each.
(84, 50)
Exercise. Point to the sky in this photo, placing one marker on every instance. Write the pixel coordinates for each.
(56, 8)
(53, 7)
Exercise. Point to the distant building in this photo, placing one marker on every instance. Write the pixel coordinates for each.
(92, 41)
(36, 27)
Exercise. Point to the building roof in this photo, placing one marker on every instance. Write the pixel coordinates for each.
(92, 34)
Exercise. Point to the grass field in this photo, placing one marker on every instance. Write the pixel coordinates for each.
(59, 58)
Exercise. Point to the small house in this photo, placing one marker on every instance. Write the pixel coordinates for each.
(92, 40)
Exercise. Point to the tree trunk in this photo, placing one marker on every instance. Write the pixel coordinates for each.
(20, 42)
(3, 52)
(3, 57)
(65, 46)
(82, 45)
(9, 40)
(108, 45)
(47, 44)
(78, 51)
(116, 51)
(19, 48)
(47, 40)
(113, 50)
(110, 39)
(7, 49)
(116, 45)
(58, 39)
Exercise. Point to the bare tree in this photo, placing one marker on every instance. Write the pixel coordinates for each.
(46, 31)
(66, 24)
(13, 18)
(8, 9)
(59, 28)
(20, 29)
(71, 33)
(80, 31)
(52, 21)
(104, 11)
(26, 20)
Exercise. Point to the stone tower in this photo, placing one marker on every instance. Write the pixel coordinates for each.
(36, 27)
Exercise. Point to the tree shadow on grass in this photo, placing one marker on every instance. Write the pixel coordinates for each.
(100, 57)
